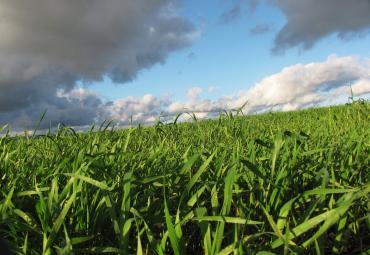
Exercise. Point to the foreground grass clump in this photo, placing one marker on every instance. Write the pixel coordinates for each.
(278, 183)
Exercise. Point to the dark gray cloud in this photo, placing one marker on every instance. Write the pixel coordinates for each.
(60, 111)
(311, 20)
(260, 29)
(48, 46)
(72, 108)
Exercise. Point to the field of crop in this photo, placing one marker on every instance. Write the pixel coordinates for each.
(277, 183)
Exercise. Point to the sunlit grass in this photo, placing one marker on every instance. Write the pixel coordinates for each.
(283, 183)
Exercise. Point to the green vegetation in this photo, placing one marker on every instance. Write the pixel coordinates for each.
(277, 183)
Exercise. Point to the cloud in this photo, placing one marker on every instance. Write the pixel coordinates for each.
(294, 87)
(237, 9)
(312, 20)
(89, 38)
(212, 89)
(303, 85)
(48, 46)
(358, 88)
(140, 110)
(75, 108)
(309, 21)
(41, 64)
(361, 87)
(193, 93)
(260, 29)
(231, 15)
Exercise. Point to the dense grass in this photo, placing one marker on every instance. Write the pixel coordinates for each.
(278, 183)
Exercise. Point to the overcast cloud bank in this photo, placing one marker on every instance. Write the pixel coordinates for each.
(48, 46)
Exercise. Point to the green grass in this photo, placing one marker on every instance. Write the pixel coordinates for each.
(277, 183)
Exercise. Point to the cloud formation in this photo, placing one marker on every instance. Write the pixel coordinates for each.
(294, 87)
(312, 20)
(193, 93)
(48, 46)
(305, 85)
(230, 15)
(309, 21)
(75, 108)
(143, 110)
(260, 29)
(237, 9)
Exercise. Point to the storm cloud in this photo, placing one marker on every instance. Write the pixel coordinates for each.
(48, 46)
(310, 21)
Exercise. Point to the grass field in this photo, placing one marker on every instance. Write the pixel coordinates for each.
(277, 183)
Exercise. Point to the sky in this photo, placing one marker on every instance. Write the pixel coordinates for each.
(86, 61)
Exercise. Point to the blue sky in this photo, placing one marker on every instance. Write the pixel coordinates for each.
(226, 55)
(172, 56)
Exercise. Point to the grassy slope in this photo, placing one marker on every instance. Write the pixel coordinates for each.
(294, 182)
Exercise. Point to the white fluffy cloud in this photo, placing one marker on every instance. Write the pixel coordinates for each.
(293, 88)
(307, 84)
(361, 87)
(358, 88)
(193, 93)
(140, 110)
